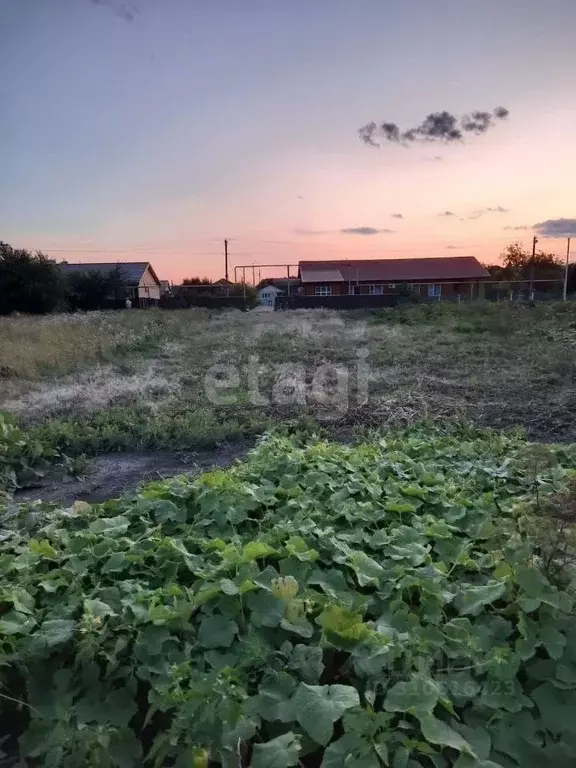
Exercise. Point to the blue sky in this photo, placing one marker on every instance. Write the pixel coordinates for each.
(205, 119)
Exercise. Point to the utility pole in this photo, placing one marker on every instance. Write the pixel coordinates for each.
(226, 259)
(534, 241)
(565, 292)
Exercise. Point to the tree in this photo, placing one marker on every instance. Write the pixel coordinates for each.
(518, 264)
(196, 281)
(28, 282)
(497, 271)
(248, 292)
(89, 289)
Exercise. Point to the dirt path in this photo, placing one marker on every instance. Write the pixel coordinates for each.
(111, 475)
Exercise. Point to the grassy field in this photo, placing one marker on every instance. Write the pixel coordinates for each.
(156, 379)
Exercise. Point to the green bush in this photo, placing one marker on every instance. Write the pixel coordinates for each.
(362, 606)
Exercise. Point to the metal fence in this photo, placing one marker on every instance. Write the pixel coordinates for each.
(493, 291)
(524, 290)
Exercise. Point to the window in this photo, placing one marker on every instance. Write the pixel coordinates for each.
(323, 290)
(266, 295)
(375, 290)
(434, 290)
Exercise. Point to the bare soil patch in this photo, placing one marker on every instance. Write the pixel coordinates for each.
(111, 475)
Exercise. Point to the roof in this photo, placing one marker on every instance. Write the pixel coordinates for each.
(393, 270)
(132, 271)
(311, 272)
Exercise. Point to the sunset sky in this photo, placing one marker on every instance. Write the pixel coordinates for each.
(151, 130)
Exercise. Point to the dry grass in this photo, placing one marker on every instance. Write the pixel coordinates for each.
(498, 365)
(33, 346)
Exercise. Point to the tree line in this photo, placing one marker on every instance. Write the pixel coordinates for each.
(35, 284)
(519, 264)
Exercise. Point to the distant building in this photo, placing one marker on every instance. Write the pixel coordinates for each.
(165, 288)
(430, 278)
(140, 279)
(268, 290)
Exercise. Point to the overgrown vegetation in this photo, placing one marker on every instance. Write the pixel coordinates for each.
(140, 428)
(33, 348)
(110, 381)
(375, 605)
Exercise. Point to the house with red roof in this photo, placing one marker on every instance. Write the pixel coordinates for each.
(431, 278)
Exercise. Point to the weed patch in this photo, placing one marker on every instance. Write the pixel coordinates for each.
(138, 427)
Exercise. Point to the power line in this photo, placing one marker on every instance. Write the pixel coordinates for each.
(127, 251)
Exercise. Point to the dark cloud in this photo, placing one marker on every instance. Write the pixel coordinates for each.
(481, 122)
(556, 228)
(519, 228)
(477, 122)
(446, 213)
(397, 216)
(390, 131)
(437, 126)
(498, 209)
(119, 8)
(367, 133)
(501, 113)
(366, 231)
(460, 247)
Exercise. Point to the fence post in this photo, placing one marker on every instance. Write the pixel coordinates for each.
(565, 288)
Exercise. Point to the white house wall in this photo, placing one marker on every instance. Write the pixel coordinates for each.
(148, 288)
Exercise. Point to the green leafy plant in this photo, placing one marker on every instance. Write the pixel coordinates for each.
(21, 457)
(370, 605)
